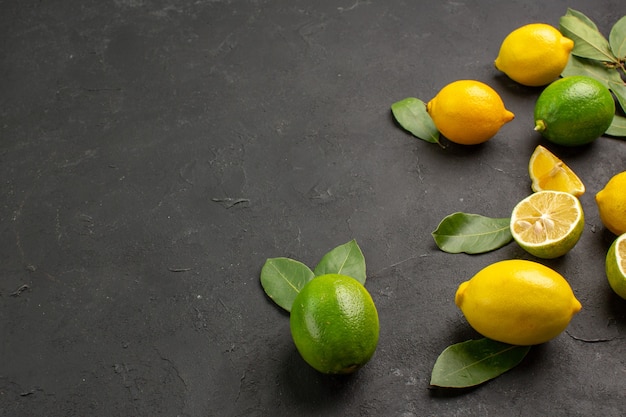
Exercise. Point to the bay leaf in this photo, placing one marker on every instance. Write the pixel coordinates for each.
(617, 39)
(618, 126)
(583, 18)
(590, 68)
(619, 89)
(346, 259)
(411, 114)
(474, 362)
(588, 42)
(472, 233)
(283, 278)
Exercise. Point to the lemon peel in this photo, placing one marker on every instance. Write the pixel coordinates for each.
(468, 112)
(518, 302)
(534, 55)
(611, 202)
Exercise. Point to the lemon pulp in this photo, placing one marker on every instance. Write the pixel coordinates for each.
(548, 172)
(547, 224)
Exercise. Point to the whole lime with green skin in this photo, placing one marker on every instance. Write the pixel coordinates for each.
(334, 324)
(574, 111)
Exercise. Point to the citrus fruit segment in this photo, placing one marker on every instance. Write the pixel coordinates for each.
(547, 224)
(574, 111)
(468, 112)
(517, 302)
(616, 266)
(534, 54)
(611, 201)
(548, 172)
(334, 324)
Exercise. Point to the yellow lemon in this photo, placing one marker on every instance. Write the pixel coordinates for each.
(615, 266)
(334, 324)
(534, 54)
(611, 201)
(468, 112)
(517, 302)
(548, 172)
(547, 224)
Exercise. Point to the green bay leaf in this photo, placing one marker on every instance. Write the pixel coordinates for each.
(582, 17)
(472, 233)
(619, 89)
(474, 362)
(588, 41)
(346, 259)
(411, 114)
(591, 68)
(618, 126)
(617, 39)
(283, 278)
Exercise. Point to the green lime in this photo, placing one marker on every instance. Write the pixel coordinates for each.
(616, 266)
(334, 324)
(574, 110)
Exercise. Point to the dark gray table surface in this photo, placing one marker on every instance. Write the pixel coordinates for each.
(154, 154)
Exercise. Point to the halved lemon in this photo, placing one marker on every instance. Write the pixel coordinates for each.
(616, 266)
(548, 224)
(548, 172)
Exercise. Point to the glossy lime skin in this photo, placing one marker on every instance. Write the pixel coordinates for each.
(574, 111)
(334, 324)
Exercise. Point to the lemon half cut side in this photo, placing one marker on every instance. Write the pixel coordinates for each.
(547, 224)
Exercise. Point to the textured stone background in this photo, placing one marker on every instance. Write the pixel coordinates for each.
(153, 155)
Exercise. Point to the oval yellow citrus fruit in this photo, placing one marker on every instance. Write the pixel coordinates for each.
(334, 324)
(548, 224)
(534, 54)
(615, 266)
(611, 201)
(468, 112)
(517, 302)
